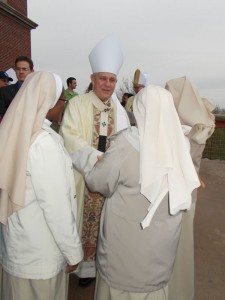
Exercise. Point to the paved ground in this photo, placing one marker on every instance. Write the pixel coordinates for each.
(210, 233)
(209, 238)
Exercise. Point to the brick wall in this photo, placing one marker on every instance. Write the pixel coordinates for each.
(19, 5)
(15, 40)
(15, 32)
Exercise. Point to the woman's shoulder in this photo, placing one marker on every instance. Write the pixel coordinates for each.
(128, 135)
(45, 141)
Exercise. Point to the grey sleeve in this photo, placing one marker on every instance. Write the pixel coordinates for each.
(105, 175)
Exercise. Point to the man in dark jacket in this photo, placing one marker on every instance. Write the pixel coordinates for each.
(23, 66)
(4, 79)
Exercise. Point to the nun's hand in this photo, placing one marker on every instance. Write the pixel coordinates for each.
(100, 157)
(202, 184)
(70, 268)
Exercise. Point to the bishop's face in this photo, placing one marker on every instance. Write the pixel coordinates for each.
(104, 84)
(137, 87)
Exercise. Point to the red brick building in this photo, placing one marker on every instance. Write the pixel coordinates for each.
(15, 32)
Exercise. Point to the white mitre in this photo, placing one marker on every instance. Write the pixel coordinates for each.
(106, 56)
(140, 77)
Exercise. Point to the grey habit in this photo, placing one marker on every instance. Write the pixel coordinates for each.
(130, 258)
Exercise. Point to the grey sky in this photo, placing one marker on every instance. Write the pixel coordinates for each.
(164, 38)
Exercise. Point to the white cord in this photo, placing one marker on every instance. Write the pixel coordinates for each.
(165, 294)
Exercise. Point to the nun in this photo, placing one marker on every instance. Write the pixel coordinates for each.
(147, 177)
(194, 112)
(39, 240)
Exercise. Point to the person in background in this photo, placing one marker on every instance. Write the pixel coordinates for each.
(23, 66)
(89, 88)
(90, 119)
(125, 97)
(72, 84)
(139, 83)
(141, 218)
(40, 244)
(195, 113)
(4, 79)
(69, 94)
